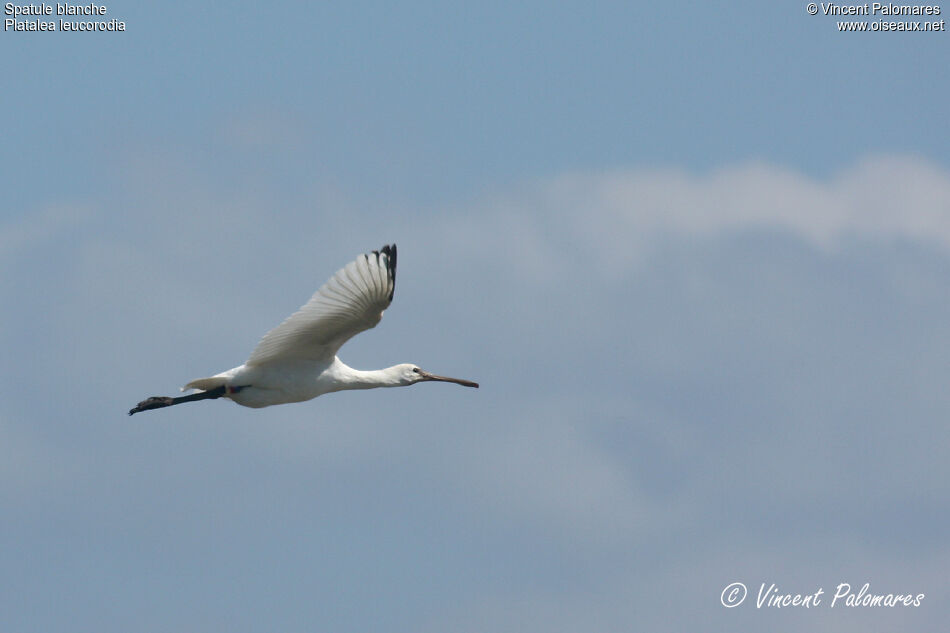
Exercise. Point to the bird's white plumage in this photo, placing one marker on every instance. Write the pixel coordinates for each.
(297, 360)
(353, 300)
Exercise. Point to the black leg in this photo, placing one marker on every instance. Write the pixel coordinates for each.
(157, 402)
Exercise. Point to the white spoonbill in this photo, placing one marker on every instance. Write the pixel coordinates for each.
(297, 361)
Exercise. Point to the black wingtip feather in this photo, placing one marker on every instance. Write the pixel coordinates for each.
(390, 251)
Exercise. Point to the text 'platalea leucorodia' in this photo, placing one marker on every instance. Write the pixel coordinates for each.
(297, 361)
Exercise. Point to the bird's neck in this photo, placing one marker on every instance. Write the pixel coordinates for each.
(349, 378)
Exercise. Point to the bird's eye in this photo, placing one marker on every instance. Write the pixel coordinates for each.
(415, 370)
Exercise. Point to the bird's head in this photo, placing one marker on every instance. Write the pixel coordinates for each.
(410, 374)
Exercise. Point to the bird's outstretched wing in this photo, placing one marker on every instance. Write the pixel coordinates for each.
(352, 301)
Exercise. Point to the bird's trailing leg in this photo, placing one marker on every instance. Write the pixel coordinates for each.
(157, 402)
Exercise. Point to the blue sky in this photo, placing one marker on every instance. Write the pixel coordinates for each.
(697, 257)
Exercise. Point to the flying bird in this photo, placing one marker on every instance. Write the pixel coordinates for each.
(296, 361)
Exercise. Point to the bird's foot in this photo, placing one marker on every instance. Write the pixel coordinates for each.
(155, 402)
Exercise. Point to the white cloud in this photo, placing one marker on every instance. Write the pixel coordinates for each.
(612, 217)
(880, 197)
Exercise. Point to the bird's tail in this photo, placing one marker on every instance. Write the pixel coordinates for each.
(206, 384)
